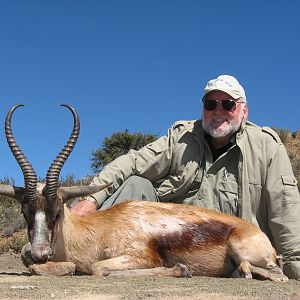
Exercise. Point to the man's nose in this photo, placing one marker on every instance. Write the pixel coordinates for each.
(219, 106)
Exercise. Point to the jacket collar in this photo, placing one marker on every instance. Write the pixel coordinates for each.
(196, 128)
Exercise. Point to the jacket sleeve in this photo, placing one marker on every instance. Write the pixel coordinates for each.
(283, 209)
(151, 162)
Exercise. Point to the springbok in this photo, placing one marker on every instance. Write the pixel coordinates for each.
(133, 237)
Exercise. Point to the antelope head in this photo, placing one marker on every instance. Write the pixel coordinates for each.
(42, 204)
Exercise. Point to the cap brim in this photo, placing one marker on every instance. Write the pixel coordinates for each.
(230, 93)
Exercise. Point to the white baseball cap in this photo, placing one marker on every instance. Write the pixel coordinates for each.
(227, 84)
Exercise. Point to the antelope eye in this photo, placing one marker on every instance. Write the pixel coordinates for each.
(53, 218)
(28, 211)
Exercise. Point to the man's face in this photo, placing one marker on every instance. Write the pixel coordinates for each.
(220, 122)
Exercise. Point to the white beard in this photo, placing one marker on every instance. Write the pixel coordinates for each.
(229, 130)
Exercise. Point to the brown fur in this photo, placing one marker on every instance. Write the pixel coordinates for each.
(143, 235)
(147, 237)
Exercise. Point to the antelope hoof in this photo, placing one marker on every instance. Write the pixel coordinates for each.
(26, 256)
(277, 275)
(244, 270)
(100, 270)
(181, 270)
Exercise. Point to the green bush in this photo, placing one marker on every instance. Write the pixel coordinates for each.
(11, 219)
(117, 144)
(15, 242)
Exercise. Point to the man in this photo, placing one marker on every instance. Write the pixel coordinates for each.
(221, 162)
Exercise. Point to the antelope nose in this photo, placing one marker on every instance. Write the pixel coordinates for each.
(40, 253)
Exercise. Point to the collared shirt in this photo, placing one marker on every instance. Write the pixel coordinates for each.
(217, 152)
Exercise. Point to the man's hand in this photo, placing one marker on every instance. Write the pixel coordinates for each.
(84, 207)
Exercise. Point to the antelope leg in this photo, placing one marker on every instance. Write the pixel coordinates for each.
(179, 270)
(125, 265)
(53, 268)
(274, 273)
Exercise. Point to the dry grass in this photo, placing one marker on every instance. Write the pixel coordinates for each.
(13, 243)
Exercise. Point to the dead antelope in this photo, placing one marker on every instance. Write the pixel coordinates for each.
(134, 237)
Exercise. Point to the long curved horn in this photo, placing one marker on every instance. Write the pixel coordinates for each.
(56, 166)
(69, 192)
(29, 174)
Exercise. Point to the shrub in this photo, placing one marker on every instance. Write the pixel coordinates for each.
(117, 144)
(15, 242)
(11, 219)
(284, 134)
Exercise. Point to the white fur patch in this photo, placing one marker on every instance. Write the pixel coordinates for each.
(164, 225)
(40, 226)
(40, 187)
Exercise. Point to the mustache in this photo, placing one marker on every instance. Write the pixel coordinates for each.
(230, 129)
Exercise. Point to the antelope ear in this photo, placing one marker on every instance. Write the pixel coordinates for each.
(70, 192)
(11, 191)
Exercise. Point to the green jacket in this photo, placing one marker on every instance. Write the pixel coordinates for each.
(253, 180)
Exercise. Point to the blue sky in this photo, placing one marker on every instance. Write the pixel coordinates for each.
(137, 65)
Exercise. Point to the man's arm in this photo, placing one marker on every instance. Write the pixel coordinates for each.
(151, 162)
(84, 207)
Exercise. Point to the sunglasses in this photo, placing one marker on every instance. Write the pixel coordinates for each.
(226, 104)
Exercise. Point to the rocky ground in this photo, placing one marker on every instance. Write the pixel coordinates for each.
(17, 283)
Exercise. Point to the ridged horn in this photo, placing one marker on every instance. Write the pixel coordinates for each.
(29, 174)
(69, 192)
(52, 176)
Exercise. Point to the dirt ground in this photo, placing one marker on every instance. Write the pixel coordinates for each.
(17, 283)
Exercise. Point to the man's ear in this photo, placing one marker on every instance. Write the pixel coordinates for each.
(245, 109)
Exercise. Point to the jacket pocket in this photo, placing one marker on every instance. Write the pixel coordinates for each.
(229, 197)
(156, 147)
(290, 206)
(255, 196)
(289, 187)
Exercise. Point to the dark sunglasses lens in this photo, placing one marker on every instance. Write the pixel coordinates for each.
(210, 104)
(228, 104)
